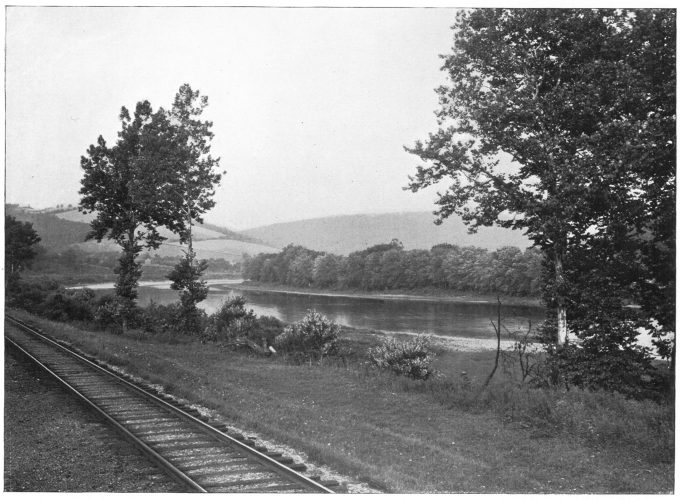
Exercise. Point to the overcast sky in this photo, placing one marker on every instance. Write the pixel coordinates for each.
(311, 107)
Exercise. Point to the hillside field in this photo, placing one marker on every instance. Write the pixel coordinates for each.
(344, 234)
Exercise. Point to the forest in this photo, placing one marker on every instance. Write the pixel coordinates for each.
(388, 266)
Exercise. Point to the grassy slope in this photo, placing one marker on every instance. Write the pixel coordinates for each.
(343, 234)
(396, 433)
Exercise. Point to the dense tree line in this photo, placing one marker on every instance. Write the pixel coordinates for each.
(388, 266)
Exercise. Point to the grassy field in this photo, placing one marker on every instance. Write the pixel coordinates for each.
(405, 436)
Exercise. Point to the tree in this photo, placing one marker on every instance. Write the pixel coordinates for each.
(561, 123)
(119, 186)
(325, 274)
(20, 247)
(190, 187)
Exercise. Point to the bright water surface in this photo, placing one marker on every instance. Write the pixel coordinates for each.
(391, 315)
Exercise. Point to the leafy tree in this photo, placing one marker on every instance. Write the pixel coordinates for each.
(561, 123)
(189, 187)
(20, 247)
(119, 186)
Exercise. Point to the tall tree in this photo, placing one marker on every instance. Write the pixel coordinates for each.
(190, 188)
(560, 123)
(119, 187)
(20, 247)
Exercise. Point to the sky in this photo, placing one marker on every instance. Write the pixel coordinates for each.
(311, 107)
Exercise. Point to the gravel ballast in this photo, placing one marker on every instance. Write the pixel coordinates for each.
(54, 443)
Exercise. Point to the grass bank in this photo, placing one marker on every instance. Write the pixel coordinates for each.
(423, 294)
(407, 436)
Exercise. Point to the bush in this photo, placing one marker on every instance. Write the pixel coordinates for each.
(29, 295)
(112, 311)
(266, 329)
(411, 358)
(66, 305)
(313, 336)
(49, 299)
(231, 320)
(628, 371)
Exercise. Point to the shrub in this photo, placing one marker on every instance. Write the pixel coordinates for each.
(112, 311)
(266, 328)
(48, 299)
(29, 295)
(411, 358)
(231, 320)
(313, 336)
(628, 371)
(65, 305)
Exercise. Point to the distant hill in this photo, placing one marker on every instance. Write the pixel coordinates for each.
(60, 230)
(200, 232)
(56, 234)
(348, 233)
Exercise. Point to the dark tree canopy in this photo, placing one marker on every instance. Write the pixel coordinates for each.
(583, 103)
(20, 246)
(190, 187)
(118, 184)
(189, 191)
(158, 174)
(561, 123)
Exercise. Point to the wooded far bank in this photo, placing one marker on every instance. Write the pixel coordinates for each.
(507, 271)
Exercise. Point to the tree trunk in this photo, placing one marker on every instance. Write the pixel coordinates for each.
(561, 309)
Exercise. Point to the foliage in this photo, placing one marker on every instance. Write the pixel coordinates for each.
(507, 270)
(114, 313)
(266, 329)
(20, 242)
(29, 295)
(186, 277)
(605, 354)
(561, 123)
(313, 336)
(52, 301)
(171, 320)
(69, 305)
(159, 173)
(117, 186)
(231, 320)
(188, 185)
(411, 358)
(189, 188)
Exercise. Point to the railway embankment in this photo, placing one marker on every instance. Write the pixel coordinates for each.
(54, 443)
(401, 435)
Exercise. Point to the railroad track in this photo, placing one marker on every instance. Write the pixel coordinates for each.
(203, 456)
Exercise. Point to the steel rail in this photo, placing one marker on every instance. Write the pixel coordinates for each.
(265, 460)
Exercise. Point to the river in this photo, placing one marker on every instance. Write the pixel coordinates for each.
(442, 318)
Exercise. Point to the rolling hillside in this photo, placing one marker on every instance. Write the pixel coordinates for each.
(60, 230)
(348, 233)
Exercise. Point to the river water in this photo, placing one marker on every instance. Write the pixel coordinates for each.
(450, 319)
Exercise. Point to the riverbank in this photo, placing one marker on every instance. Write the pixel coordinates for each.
(430, 295)
(405, 436)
